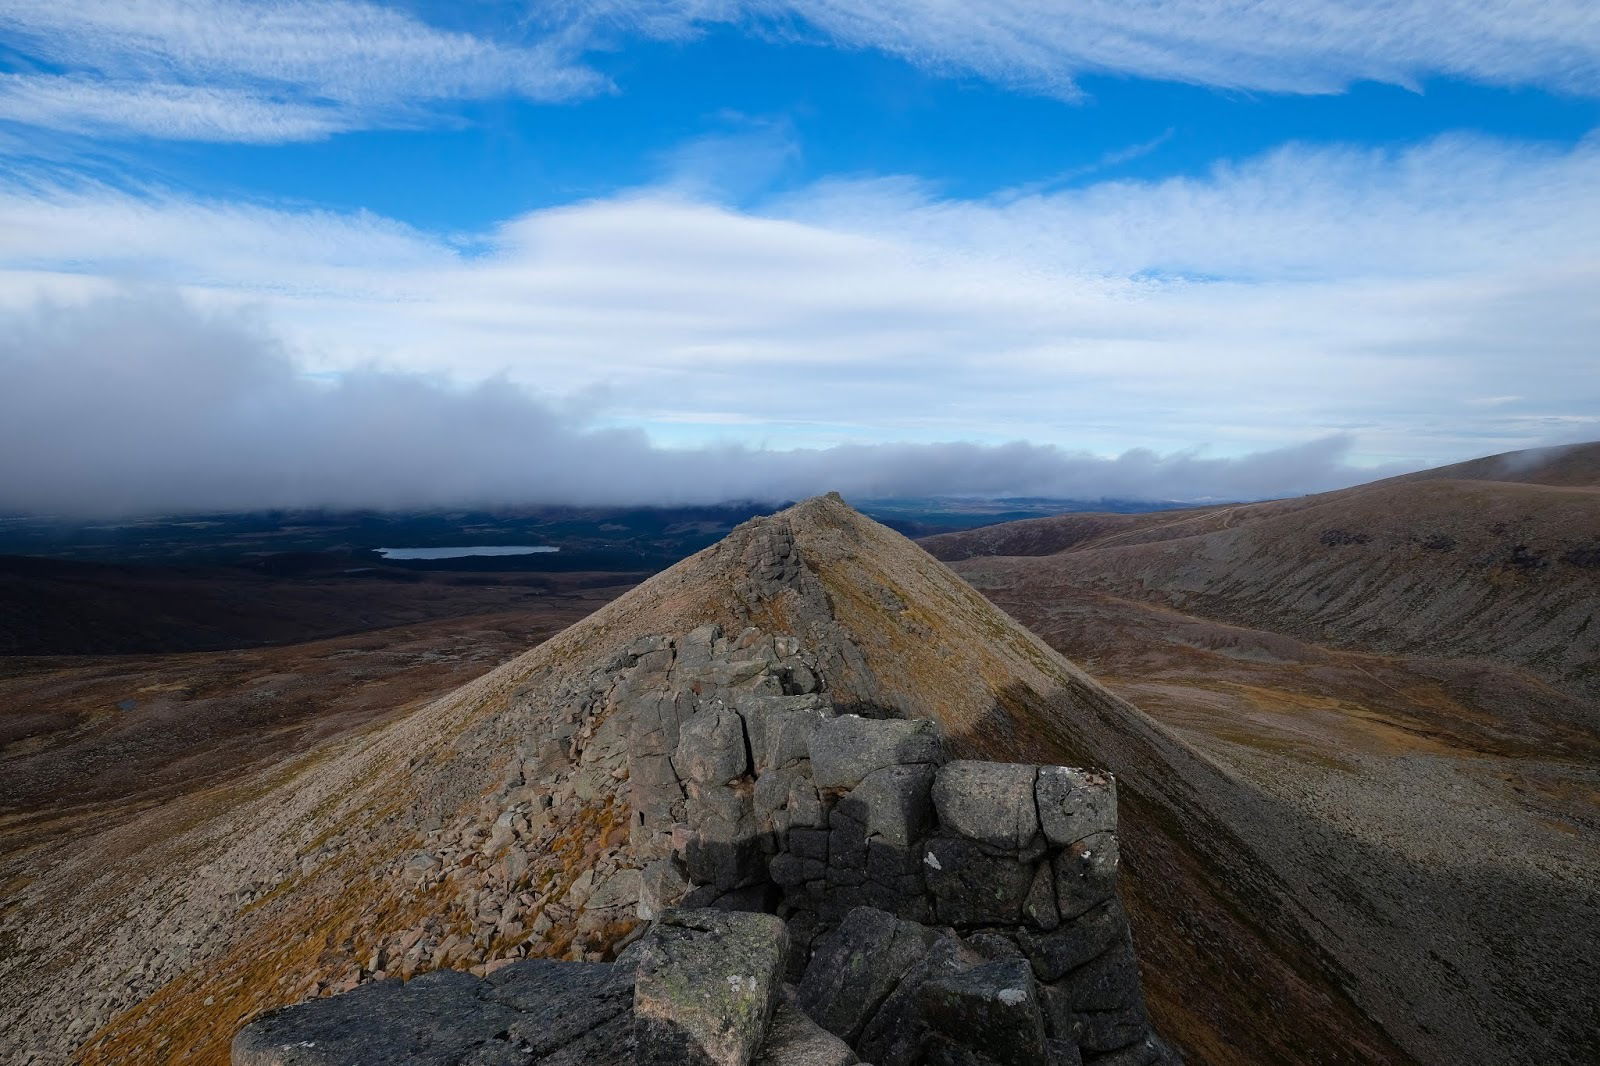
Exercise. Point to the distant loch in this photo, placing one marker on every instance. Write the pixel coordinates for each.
(416, 554)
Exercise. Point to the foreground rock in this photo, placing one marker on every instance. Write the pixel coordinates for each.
(537, 1011)
(924, 909)
(704, 989)
(706, 986)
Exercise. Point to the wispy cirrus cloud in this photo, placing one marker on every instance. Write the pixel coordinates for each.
(1298, 46)
(1447, 206)
(276, 70)
(171, 111)
(281, 70)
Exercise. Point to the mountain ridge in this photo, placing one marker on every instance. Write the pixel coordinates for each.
(316, 843)
(1417, 565)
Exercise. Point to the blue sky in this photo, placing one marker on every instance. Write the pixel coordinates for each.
(1192, 227)
(809, 111)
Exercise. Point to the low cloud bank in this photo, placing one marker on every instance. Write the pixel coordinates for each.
(141, 403)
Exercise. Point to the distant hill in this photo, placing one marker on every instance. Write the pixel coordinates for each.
(1497, 558)
(588, 538)
(216, 581)
(1568, 465)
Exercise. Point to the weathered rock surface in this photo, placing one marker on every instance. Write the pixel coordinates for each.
(1074, 804)
(845, 750)
(707, 983)
(795, 1040)
(856, 968)
(992, 1010)
(1031, 959)
(988, 802)
(528, 1012)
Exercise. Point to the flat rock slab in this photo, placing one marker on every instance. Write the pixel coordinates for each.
(844, 750)
(530, 1012)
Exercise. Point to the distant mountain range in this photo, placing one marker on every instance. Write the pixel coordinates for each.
(1497, 558)
(609, 538)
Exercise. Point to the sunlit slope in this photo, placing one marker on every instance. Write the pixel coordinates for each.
(1422, 565)
(157, 940)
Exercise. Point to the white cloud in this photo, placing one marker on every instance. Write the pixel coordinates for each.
(274, 70)
(1306, 293)
(178, 112)
(1299, 211)
(1303, 46)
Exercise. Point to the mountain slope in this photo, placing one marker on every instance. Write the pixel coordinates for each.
(1569, 465)
(1422, 565)
(1415, 666)
(1574, 466)
(155, 939)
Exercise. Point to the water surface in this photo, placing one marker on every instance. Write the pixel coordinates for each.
(402, 554)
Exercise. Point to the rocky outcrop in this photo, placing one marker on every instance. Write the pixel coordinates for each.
(706, 987)
(928, 910)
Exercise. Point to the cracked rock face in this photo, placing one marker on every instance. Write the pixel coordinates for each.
(923, 910)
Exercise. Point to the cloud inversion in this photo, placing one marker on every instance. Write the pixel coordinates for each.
(139, 403)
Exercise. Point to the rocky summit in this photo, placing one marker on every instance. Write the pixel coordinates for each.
(804, 797)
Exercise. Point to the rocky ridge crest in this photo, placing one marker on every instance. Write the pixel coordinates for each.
(933, 910)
